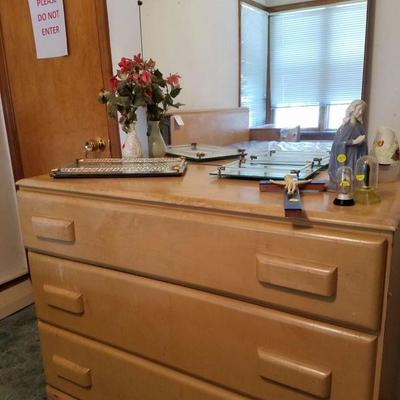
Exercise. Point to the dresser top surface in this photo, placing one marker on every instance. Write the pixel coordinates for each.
(197, 189)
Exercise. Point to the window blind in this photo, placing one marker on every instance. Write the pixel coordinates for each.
(317, 55)
(254, 62)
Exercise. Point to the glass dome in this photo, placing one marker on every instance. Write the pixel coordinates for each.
(344, 187)
(366, 180)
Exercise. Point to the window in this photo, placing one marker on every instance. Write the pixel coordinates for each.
(316, 58)
(254, 61)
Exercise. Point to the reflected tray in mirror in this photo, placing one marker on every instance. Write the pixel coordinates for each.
(278, 157)
(204, 152)
(121, 168)
(261, 168)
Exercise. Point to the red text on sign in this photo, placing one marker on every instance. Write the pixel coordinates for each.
(52, 30)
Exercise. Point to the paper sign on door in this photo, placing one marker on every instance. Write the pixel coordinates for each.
(48, 23)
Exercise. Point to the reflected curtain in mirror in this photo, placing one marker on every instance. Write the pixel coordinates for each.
(316, 58)
(254, 62)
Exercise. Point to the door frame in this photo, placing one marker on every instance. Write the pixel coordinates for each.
(6, 94)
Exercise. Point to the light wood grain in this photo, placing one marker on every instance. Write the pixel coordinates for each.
(217, 127)
(119, 374)
(208, 336)
(309, 379)
(197, 189)
(292, 274)
(228, 276)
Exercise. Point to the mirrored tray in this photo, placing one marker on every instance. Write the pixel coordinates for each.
(121, 168)
(293, 157)
(204, 152)
(265, 169)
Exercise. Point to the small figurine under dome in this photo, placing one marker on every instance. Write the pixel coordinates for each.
(350, 141)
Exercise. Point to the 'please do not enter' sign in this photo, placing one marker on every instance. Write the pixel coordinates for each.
(48, 23)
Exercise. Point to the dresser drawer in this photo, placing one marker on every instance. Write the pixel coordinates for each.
(253, 350)
(333, 275)
(54, 394)
(112, 374)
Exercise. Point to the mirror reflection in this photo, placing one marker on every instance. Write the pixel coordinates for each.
(301, 63)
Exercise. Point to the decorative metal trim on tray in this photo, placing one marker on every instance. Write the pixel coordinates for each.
(204, 152)
(276, 165)
(121, 168)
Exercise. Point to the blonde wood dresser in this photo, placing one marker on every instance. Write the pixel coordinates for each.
(199, 288)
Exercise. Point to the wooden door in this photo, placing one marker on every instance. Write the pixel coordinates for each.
(50, 105)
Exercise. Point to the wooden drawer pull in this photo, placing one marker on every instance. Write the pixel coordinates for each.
(55, 229)
(315, 381)
(319, 280)
(64, 299)
(72, 372)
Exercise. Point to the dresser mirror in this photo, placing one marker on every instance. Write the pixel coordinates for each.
(300, 62)
(308, 63)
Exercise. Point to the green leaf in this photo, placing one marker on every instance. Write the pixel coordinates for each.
(158, 74)
(175, 92)
(168, 100)
(112, 109)
(123, 101)
(158, 95)
(139, 101)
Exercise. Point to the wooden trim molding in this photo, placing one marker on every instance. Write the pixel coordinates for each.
(9, 116)
(304, 4)
(369, 40)
(107, 71)
(256, 4)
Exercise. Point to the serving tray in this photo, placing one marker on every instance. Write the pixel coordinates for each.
(283, 157)
(204, 152)
(265, 168)
(121, 168)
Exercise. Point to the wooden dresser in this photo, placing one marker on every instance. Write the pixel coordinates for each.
(198, 288)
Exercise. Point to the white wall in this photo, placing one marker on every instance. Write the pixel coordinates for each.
(198, 39)
(12, 253)
(123, 17)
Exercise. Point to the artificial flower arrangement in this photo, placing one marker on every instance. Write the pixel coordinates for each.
(138, 83)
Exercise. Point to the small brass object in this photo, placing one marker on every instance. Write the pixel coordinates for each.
(200, 155)
(194, 146)
(220, 169)
(97, 145)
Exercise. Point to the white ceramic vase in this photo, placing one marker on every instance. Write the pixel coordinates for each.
(132, 147)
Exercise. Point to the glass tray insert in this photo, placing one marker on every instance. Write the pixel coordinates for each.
(261, 169)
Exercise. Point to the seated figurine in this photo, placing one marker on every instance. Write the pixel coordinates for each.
(350, 141)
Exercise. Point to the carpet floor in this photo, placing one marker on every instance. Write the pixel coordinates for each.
(21, 370)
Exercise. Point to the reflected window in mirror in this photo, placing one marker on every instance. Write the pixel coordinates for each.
(311, 64)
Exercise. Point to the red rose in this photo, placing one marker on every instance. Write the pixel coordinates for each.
(125, 64)
(114, 83)
(173, 80)
(137, 60)
(145, 77)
